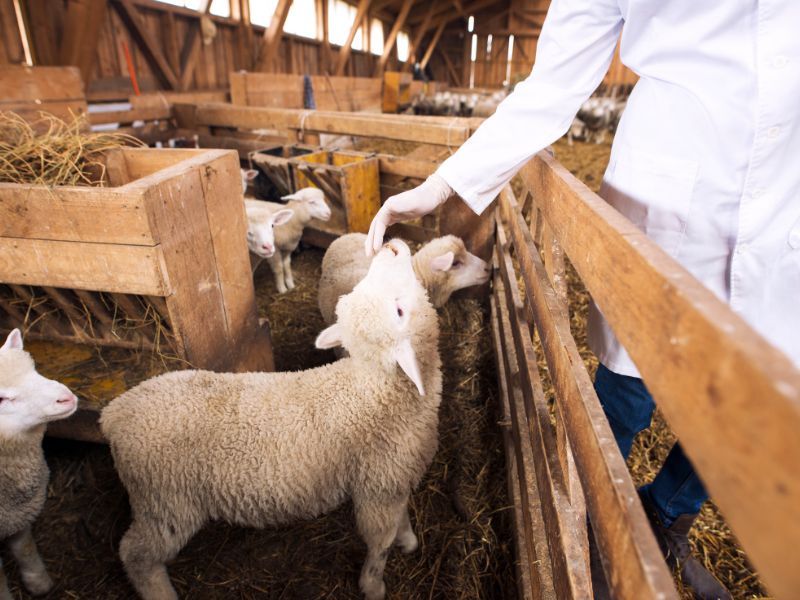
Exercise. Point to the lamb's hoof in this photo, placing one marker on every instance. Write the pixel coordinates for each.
(282, 289)
(373, 589)
(290, 285)
(37, 584)
(407, 543)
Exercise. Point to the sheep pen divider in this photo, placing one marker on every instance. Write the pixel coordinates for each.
(158, 262)
(702, 363)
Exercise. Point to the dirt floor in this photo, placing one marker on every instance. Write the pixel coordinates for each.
(458, 510)
(711, 537)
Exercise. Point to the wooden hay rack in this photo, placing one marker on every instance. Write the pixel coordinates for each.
(157, 261)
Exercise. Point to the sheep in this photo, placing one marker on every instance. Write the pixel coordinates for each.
(266, 449)
(306, 204)
(443, 266)
(248, 175)
(28, 402)
(261, 232)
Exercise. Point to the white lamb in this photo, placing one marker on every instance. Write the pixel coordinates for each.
(443, 266)
(264, 449)
(28, 402)
(306, 204)
(248, 175)
(261, 232)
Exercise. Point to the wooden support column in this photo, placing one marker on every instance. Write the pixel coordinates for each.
(432, 45)
(191, 48)
(246, 35)
(127, 11)
(272, 36)
(420, 33)
(451, 69)
(82, 26)
(344, 53)
(388, 45)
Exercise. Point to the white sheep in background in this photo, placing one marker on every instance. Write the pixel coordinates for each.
(248, 175)
(28, 402)
(443, 266)
(306, 204)
(261, 232)
(265, 449)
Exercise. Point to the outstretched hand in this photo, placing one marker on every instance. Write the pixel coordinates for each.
(411, 204)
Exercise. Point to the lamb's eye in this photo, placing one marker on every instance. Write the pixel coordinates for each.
(399, 312)
(456, 263)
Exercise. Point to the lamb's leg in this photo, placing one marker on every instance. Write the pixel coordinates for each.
(378, 522)
(31, 568)
(5, 593)
(288, 277)
(144, 549)
(276, 264)
(405, 537)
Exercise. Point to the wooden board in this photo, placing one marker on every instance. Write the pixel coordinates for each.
(31, 90)
(81, 265)
(703, 364)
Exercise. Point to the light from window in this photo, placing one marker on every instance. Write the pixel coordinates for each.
(474, 52)
(301, 20)
(340, 19)
(489, 45)
(402, 46)
(220, 8)
(376, 37)
(470, 23)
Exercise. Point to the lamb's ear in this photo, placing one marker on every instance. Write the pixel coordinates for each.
(443, 262)
(282, 216)
(407, 359)
(13, 341)
(295, 196)
(330, 337)
(250, 174)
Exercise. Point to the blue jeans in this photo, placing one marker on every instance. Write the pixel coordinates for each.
(676, 490)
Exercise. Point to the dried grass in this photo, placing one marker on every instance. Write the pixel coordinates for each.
(51, 151)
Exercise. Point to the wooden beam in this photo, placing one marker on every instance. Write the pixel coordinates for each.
(388, 45)
(272, 36)
(451, 69)
(432, 45)
(82, 26)
(344, 53)
(413, 46)
(146, 42)
(191, 48)
(446, 11)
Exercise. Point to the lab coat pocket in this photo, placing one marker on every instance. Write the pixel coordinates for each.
(654, 191)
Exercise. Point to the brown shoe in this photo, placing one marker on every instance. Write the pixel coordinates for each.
(674, 544)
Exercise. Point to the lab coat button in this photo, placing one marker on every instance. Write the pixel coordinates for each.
(779, 62)
(756, 193)
(794, 239)
(773, 132)
(742, 248)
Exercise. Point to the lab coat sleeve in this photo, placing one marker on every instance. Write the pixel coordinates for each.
(573, 54)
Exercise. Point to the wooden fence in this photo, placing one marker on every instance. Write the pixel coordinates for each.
(732, 399)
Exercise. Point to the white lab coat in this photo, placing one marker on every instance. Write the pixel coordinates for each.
(706, 160)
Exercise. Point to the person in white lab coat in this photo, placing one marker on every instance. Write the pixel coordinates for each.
(706, 161)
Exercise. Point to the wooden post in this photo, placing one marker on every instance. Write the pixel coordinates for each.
(272, 36)
(81, 32)
(191, 48)
(390, 41)
(432, 45)
(148, 45)
(344, 53)
(420, 33)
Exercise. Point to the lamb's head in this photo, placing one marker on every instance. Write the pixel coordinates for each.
(261, 228)
(27, 399)
(387, 320)
(314, 199)
(444, 265)
(248, 175)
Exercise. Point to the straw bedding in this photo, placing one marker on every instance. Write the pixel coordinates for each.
(458, 512)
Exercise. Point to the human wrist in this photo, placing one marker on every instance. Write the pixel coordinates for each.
(438, 188)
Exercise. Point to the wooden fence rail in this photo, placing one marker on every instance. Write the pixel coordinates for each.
(733, 400)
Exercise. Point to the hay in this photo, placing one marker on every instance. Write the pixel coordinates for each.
(459, 510)
(54, 152)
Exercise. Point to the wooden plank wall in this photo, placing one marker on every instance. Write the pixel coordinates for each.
(168, 26)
